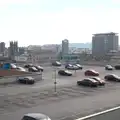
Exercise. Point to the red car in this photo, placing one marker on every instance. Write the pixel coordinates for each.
(91, 73)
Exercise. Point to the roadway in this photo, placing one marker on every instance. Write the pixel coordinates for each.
(70, 99)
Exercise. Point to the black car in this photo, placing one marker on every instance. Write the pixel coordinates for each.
(39, 68)
(112, 77)
(28, 65)
(64, 73)
(88, 82)
(117, 67)
(79, 66)
(99, 80)
(56, 63)
(108, 67)
(26, 80)
(71, 67)
(33, 69)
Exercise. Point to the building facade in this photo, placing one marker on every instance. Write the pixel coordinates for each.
(65, 47)
(13, 50)
(2, 47)
(104, 43)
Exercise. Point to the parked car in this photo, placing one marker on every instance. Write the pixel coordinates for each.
(28, 65)
(33, 69)
(35, 116)
(112, 77)
(91, 73)
(26, 80)
(117, 67)
(71, 67)
(79, 66)
(13, 66)
(108, 67)
(56, 63)
(21, 69)
(64, 73)
(39, 68)
(88, 82)
(99, 80)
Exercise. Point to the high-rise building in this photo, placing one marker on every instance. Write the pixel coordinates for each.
(13, 49)
(104, 43)
(65, 47)
(2, 47)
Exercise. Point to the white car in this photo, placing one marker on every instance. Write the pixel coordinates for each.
(35, 116)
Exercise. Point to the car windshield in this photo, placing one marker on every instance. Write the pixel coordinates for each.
(57, 62)
(28, 77)
(92, 80)
(115, 76)
(96, 78)
(13, 66)
(108, 65)
(34, 68)
(20, 68)
(67, 71)
(78, 64)
(92, 71)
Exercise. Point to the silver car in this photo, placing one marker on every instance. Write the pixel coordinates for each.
(35, 116)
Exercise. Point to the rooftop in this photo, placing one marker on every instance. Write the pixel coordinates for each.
(110, 33)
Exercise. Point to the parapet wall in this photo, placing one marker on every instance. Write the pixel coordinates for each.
(11, 72)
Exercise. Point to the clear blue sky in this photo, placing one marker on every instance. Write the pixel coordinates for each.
(50, 21)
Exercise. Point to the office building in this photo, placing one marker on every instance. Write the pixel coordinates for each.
(13, 49)
(65, 47)
(2, 48)
(104, 43)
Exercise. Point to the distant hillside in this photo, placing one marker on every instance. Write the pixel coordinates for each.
(80, 45)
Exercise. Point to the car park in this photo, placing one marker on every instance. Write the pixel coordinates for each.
(64, 73)
(88, 82)
(35, 116)
(112, 77)
(39, 68)
(117, 67)
(108, 67)
(91, 73)
(56, 63)
(26, 80)
(99, 80)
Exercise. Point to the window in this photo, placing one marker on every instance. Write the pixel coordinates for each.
(28, 118)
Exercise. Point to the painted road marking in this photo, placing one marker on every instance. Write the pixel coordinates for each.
(99, 113)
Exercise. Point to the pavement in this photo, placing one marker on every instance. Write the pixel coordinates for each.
(71, 101)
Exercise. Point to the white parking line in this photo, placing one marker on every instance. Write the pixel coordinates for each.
(99, 113)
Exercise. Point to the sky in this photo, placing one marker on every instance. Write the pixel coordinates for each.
(38, 22)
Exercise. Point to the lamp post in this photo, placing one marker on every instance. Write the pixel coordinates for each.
(55, 81)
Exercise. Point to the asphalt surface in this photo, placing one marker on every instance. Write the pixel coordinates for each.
(115, 114)
(71, 101)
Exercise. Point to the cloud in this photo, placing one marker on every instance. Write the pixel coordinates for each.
(4, 3)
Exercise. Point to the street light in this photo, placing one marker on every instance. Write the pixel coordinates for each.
(55, 83)
(55, 80)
